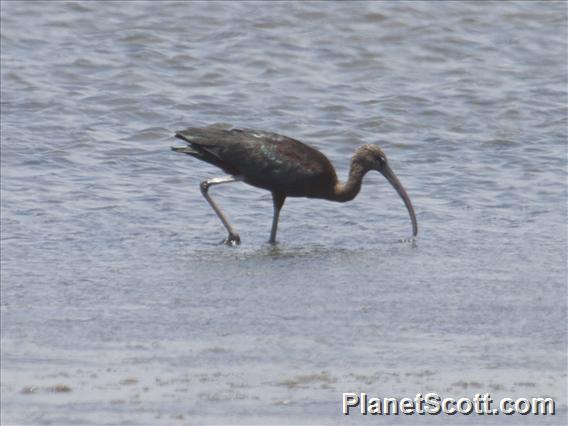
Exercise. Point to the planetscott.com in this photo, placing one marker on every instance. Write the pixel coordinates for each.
(434, 404)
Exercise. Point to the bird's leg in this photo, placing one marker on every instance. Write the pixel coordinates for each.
(278, 201)
(233, 238)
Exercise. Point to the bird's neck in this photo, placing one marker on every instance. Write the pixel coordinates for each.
(349, 190)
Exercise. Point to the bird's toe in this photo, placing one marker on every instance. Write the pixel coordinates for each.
(232, 240)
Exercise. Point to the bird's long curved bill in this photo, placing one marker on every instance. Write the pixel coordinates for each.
(391, 177)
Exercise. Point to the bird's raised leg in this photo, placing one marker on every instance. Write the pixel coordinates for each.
(233, 238)
(278, 200)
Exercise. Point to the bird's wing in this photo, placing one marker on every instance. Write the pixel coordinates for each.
(280, 163)
(264, 159)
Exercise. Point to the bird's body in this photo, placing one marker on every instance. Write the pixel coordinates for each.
(282, 165)
(266, 160)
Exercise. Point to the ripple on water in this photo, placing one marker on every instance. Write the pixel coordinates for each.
(115, 284)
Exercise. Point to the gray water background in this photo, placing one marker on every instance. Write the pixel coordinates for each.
(119, 305)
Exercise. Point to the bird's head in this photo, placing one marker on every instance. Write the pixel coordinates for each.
(371, 157)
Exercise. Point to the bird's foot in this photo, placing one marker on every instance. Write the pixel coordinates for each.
(232, 240)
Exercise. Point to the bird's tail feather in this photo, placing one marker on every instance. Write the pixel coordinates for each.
(185, 150)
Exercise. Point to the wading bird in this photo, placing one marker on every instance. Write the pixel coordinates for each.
(282, 165)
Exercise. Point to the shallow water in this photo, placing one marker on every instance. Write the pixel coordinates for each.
(119, 306)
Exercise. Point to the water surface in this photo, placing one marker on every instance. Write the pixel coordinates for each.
(119, 305)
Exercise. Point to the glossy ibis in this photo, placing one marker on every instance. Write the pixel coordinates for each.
(284, 166)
